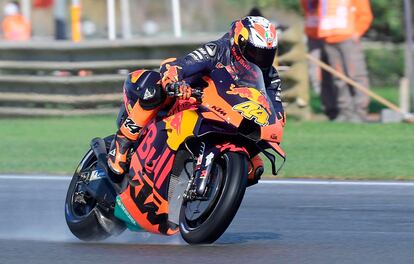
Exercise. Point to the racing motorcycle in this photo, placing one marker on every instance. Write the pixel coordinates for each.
(189, 169)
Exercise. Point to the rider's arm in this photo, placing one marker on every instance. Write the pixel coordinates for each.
(201, 59)
(274, 90)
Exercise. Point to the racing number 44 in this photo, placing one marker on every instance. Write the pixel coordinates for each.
(252, 110)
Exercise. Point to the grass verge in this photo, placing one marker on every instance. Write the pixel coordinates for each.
(314, 149)
(349, 151)
(389, 93)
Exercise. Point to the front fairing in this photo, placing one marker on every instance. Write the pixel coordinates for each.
(239, 98)
(235, 95)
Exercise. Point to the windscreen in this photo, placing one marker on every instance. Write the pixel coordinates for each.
(246, 74)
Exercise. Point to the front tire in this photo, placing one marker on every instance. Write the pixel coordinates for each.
(230, 172)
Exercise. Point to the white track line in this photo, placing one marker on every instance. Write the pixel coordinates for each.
(35, 177)
(273, 182)
(321, 182)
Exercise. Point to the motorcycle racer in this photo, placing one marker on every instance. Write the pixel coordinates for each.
(252, 39)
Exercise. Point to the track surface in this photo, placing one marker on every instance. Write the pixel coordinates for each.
(277, 223)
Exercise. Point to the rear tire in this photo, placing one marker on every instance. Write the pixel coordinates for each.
(82, 221)
(224, 205)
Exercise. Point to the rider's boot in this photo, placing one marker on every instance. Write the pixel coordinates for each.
(117, 156)
(255, 171)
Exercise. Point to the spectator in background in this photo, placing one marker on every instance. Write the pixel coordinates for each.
(334, 29)
(15, 26)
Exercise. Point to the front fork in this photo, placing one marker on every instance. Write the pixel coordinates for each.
(197, 187)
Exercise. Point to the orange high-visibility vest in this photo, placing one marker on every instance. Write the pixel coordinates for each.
(16, 27)
(336, 20)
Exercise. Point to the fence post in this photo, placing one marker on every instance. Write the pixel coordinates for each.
(409, 68)
(176, 18)
(26, 8)
(75, 13)
(111, 19)
(126, 19)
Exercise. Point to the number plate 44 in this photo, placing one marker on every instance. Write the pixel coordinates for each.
(253, 111)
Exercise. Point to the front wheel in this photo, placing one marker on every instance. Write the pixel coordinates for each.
(204, 221)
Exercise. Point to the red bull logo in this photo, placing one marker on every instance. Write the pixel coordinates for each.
(171, 74)
(174, 122)
(263, 101)
(251, 94)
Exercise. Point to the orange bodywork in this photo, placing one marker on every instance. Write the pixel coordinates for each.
(218, 105)
(141, 184)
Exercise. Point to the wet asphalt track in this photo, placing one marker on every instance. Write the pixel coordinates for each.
(277, 223)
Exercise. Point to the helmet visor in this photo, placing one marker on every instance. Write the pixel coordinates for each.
(262, 57)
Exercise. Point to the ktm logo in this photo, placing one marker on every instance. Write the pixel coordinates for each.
(219, 110)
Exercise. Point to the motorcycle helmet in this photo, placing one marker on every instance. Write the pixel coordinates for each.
(254, 38)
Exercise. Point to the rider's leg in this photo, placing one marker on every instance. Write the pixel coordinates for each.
(128, 133)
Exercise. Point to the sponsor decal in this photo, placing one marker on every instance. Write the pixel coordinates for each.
(211, 49)
(96, 174)
(149, 94)
(253, 111)
(209, 158)
(199, 160)
(219, 110)
(230, 147)
(251, 94)
(112, 153)
(131, 126)
(171, 73)
(240, 59)
(125, 211)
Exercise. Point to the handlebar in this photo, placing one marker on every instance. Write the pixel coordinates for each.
(173, 91)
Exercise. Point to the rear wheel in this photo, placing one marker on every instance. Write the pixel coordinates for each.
(80, 206)
(204, 221)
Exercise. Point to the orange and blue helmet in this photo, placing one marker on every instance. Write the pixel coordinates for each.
(254, 39)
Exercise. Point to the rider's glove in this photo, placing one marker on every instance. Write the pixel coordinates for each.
(179, 89)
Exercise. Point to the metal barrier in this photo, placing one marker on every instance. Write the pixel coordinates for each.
(64, 78)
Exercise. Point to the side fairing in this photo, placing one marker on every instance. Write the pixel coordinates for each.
(146, 197)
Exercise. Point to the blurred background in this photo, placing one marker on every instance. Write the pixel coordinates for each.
(61, 80)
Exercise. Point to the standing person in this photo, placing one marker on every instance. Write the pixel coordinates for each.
(334, 28)
(15, 26)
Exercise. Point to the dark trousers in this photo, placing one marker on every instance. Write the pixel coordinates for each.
(340, 100)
